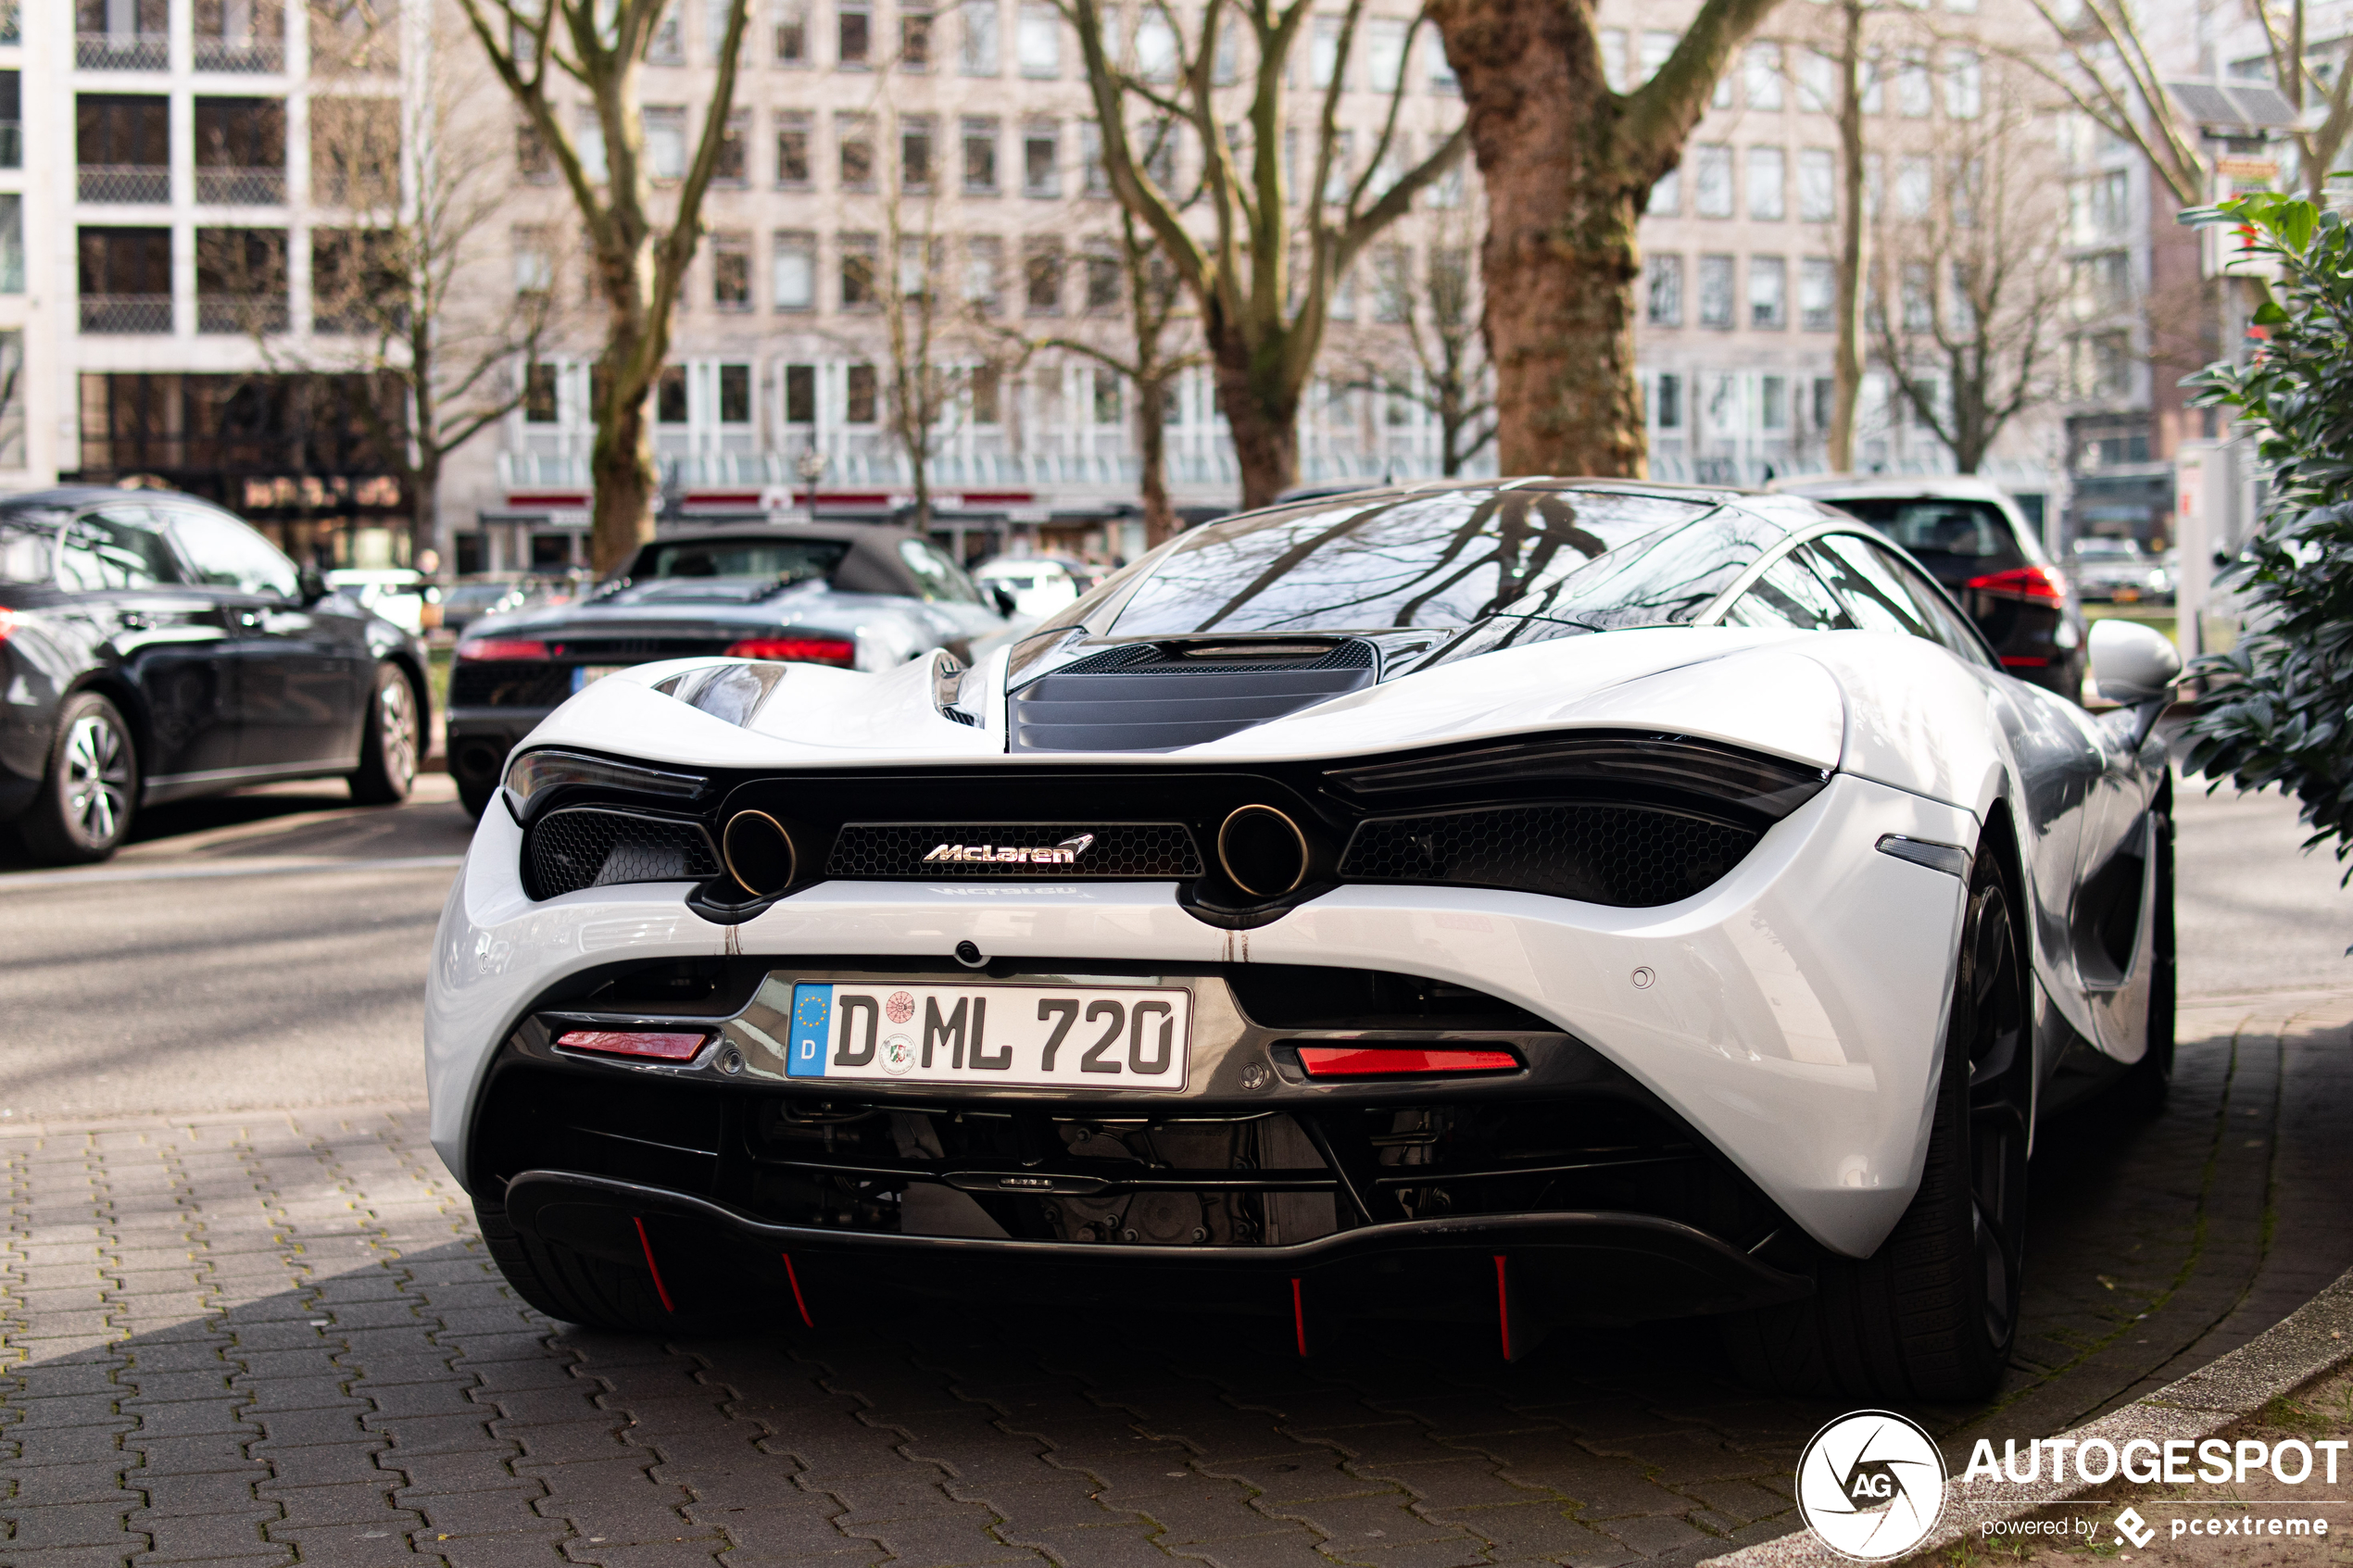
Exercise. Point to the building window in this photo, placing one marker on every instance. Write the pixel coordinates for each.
(1042, 276)
(666, 142)
(918, 262)
(532, 161)
(1816, 295)
(859, 254)
(534, 249)
(734, 167)
(1385, 53)
(793, 272)
(1712, 180)
(588, 140)
(11, 243)
(1715, 291)
(983, 275)
(914, 154)
(1817, 83)
(980, 157)
(1825, 401)
(1915, 187)
(1768, 293)
(1767, 185)
(861, 403)
(854, 135)
(731, 271)
(792, 151)
(986, 390)
(853, 33)
(1964, 84)
(539, 400)
(1109, 405)
(1919, 303)
(1392, 284)
(1670, 401)
(1156, 44)
(666, 45)
(800, 395)
(790, 33)
(1103, 282)
(1913, 99)
(1772, 402)
(1663, 276)
(1041, 173)
(1094, 178)
(1817, 185)
(1761, 75)
(915, 37)
(735, 394)
(670, 396)
(976, 43)
(2099, 205)
(1656, 46)
(1667, 196)
(1038, 42)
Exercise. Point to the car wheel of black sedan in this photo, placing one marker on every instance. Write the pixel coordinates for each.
(92, 789)
(1932, 1314)
(388, 749)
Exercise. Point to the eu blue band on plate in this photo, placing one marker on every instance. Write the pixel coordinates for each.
(813, 1018)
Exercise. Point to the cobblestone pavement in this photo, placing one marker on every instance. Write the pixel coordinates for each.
(274, 1338)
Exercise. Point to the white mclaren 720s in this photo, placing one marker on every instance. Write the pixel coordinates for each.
(1543, 902)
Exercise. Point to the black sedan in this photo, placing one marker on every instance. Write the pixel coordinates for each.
(153, 648)
(859, 595)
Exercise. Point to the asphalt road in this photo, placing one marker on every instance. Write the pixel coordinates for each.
(273, 1337)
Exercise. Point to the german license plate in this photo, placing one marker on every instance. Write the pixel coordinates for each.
(586, 675)
(1081, 1037)
(2128, 595)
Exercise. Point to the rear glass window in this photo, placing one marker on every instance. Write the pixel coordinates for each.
(938, 579)
(1956, 540)
(28, 535)
(770, 560)
(100, 552)
(1441, 560)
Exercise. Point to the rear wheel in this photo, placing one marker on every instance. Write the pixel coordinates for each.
(1932, 1314)
(92, 789)
(2151, 1079)
(389, 746)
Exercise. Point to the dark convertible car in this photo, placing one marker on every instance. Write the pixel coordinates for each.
(858, 595)
(153, 646)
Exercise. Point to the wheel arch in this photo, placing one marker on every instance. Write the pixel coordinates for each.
(131, 703)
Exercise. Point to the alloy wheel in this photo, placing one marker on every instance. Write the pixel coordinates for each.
(95, 763)
(1993, 1024)
(397, 731)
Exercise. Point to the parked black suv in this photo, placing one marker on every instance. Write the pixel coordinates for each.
(153, 646)
(1973, 539)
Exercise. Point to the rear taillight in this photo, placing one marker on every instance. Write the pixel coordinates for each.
(645, 1046)
(798, 650)
(7, 624)
(1384, 1061)
(507, 649)
(2030, 585)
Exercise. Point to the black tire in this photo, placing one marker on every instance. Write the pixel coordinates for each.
(572, 1286)
(390, 743)
(476, 797)
(90, 791)
(1932, 1313)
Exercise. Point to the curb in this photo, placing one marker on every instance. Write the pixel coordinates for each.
(2311, 1342)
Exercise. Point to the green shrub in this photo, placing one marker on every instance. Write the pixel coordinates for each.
(2280, 708)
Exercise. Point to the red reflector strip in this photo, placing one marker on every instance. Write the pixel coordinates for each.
(1375, 1061)
(798, 650)
(2038, 584)
(504, 649)
(2024, 662)
(652, 1046)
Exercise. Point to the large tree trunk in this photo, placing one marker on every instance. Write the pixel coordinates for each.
(1264, 424)
(1560, 260)
(1161, 523)
(627, 484)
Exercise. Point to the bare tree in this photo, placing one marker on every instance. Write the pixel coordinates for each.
(2106, 70)
(1449, 378)
(1568, 164)
(1262, 327)
(640, 267)
(2316, 148)
(1974, 276)
(400, 312)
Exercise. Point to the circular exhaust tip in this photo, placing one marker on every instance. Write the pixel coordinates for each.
(758, 853)
(1263, 850)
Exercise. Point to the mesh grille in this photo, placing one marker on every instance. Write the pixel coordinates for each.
(493, 684)
(587, 848)
(1146, 658)
(886, 850)
(1628, 855)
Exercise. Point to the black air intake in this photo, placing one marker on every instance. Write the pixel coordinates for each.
(1156, 697)
(496, 684)
(1633, 857)
(590, 846)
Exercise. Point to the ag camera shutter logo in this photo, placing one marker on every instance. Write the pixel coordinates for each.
(1870, 1486)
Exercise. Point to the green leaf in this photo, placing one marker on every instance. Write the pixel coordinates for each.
(2269, 314)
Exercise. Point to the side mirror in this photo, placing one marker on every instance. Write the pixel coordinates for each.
(310, 584)
(1003, 597)
(2133, 664)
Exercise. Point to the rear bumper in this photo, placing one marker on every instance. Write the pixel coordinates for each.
(480, 739)
(1596, 1267)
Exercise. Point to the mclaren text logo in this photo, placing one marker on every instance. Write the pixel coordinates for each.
(1870, 1484)
(1063, 854)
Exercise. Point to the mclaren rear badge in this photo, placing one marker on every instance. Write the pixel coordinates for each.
(1063, 854)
